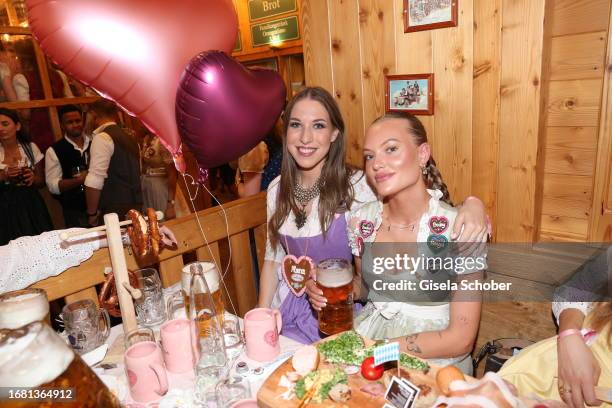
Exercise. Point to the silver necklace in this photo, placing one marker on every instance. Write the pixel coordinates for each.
(303, 196)
(401, 226)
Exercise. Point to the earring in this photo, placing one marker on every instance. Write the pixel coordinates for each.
(424, 170)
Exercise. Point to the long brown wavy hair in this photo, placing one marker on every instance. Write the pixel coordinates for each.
(336, 189)
(600, 319)
(433, 178)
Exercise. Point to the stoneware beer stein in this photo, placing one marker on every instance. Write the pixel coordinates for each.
(144, 368)
(261, 329)
(179, 345)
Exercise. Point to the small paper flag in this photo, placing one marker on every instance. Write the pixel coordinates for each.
(386, 352)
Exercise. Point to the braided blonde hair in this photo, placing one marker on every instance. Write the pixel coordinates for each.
(432, 177)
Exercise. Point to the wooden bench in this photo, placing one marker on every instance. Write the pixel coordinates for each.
(242, 216)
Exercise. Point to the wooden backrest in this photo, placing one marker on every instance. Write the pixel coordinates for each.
(242, 216)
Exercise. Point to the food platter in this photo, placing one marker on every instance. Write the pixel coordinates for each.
(275, 392)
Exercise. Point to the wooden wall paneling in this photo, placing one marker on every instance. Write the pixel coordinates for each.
(571, 137)
(579, 16)
(578, 56)
(519, 114)
(242, 271)
(317, 44)
(346, 67)
(568, 187)
(566, 208)
(564, 161)
(284, 69)
(601, 220)
(413, 55)
(486, 100)
(575, 227)
(574, 103)
(376, 20)
(453, 67)
(542, 107)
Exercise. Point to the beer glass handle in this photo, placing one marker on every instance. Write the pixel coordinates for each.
(107, 324)
(279, 319)
(160, 372)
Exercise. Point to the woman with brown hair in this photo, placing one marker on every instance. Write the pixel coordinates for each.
(22, 209)
(308, 208)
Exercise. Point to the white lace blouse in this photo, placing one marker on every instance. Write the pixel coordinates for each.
(27, 260)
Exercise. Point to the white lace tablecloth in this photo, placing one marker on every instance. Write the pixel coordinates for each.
(111, 371)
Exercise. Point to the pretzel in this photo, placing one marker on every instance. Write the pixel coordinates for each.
(138, 233)
(108, 294)
(154, 235)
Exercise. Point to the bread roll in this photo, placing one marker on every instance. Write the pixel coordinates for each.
(447, 375)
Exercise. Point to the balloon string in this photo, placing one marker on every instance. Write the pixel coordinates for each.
(197, 217)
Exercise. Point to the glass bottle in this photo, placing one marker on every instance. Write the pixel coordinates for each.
(212, 364)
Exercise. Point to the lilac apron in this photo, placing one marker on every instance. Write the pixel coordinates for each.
(299, 318)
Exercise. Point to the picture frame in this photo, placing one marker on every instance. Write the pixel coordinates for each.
(412, 93)
(422, 15)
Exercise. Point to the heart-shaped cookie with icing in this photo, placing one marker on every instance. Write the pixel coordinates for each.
(296, 272)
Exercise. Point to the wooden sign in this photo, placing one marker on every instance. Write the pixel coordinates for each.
(260, 9)
(275, 31)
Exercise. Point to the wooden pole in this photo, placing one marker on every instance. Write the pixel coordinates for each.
(115, 247)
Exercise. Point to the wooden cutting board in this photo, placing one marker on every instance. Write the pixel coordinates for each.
(269, 393)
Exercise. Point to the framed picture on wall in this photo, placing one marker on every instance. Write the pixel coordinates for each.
(429, 14)
(410, 93)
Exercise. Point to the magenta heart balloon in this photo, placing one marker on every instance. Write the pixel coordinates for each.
(133, 51)
(224, 109)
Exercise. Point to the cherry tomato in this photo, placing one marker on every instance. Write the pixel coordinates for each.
(371, 372)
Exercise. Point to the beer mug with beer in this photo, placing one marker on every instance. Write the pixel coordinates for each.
(211, 275)
(21, 307)
(35, 356)
(335, 279)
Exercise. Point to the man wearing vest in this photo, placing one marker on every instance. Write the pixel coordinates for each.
(66, 165)
(113, 181)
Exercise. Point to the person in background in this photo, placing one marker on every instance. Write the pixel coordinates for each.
(112, 184)
(7, 64)
(22, 209)
(66, 164)
(28, 87)
(250, 169)
(567, 367)
(27, 260)
(274, 142)
(159, 179)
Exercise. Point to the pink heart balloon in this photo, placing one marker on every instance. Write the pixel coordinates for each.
(224, 109)
(133, 51)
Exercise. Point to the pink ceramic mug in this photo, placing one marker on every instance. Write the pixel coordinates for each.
(261, 329)
(179, 344)
(145, 371)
